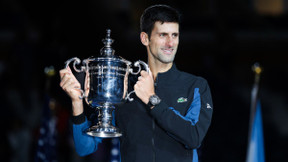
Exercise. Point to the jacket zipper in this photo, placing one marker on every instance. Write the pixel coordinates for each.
(153, 142)
(153, 128)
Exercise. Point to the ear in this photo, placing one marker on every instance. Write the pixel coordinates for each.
(144, 38)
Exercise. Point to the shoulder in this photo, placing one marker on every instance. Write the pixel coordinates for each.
(191, 78)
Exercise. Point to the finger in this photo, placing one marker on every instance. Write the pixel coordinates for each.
(63, 72)
(150, 74)
(64, 79)
(65, 83)
(76, 85)
(137, 85)
(70, 86)
(67, 78)
(146, 73)
(68, 75)
(140, 78)
(143, 73)
(65, 86)
(68, 68)
(72, 75)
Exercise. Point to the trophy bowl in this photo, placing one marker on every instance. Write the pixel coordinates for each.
(105, 86)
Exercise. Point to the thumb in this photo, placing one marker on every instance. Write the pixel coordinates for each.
(149, 72)
(68, 68)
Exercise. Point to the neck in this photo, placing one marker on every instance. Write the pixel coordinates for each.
(158, 67)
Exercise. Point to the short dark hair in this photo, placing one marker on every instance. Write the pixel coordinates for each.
(162, 13)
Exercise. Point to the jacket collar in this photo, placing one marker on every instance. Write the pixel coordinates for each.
(171, 74)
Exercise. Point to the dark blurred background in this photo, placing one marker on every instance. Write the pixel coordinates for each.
(220, 40)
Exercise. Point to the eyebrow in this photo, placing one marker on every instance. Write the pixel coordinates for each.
(167, 33)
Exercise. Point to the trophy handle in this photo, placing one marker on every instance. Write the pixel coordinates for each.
(137, 64)
(76, 61)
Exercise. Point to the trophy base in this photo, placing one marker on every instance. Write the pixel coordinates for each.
(104, 132)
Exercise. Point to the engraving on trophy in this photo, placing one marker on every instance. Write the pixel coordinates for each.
(106, 86)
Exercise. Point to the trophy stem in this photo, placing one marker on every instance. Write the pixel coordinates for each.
(104, 127)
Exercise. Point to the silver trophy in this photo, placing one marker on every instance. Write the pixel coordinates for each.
(105, 85)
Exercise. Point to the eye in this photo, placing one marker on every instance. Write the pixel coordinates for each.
(175, 35)
(162, 34)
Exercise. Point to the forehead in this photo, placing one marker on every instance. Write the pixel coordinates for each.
(166, 27)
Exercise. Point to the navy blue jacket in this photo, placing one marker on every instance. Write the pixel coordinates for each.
(171, 131)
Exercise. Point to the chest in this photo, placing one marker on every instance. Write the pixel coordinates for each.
(179, 97)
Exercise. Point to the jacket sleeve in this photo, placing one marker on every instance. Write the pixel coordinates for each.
(191, 128)
(84, 144)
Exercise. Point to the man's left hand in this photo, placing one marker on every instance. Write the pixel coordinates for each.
(144, 87)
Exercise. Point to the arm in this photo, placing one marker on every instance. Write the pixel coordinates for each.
(84, 144)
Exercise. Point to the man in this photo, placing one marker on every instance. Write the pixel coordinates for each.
(171, 111)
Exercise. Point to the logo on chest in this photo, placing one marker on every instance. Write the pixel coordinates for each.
(182, 100)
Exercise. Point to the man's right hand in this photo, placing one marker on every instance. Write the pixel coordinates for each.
(71, 86)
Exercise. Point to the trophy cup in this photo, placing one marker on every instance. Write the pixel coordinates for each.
(105, 85)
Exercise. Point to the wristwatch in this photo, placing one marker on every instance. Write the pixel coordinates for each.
(153, 100)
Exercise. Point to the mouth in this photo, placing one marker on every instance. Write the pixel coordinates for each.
(167, 50)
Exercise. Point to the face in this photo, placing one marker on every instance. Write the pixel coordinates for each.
(163, 43)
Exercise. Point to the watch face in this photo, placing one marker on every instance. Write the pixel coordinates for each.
(154, 100)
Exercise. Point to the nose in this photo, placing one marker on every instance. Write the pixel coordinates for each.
(169, 41)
